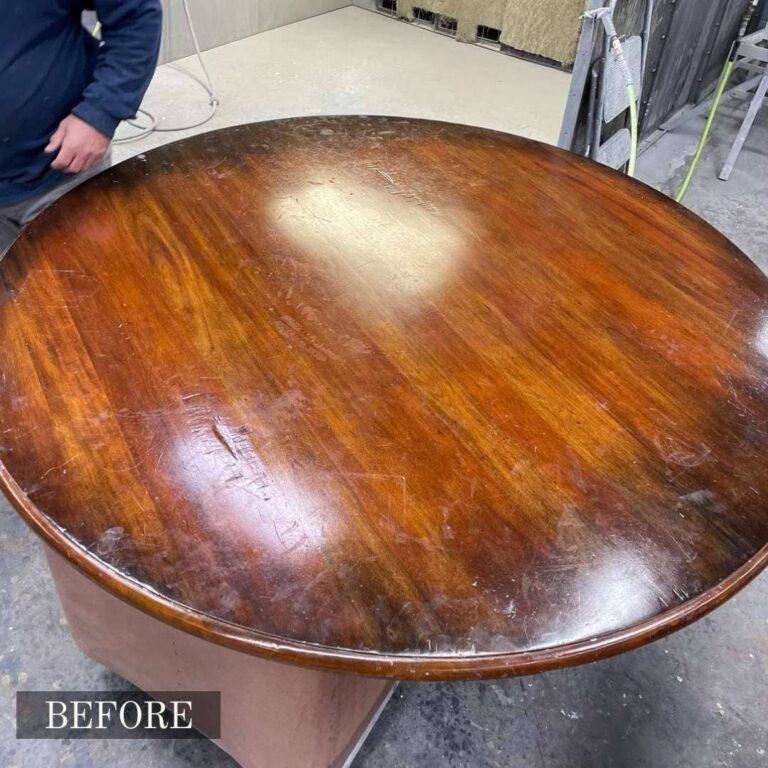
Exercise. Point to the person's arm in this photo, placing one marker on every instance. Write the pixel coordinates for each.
(130, 31)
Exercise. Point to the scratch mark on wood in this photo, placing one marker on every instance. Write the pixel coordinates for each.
(225, 436)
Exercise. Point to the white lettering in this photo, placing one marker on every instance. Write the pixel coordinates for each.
(155, 711)
(60, 714)
(137, 722)
(182, 714)
(81, 715)
(103, 715)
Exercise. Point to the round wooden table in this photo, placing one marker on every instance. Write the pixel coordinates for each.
(382, 396)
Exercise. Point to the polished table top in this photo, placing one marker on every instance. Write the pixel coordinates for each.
(389, 396)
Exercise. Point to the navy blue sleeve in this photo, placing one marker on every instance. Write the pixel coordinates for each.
(130, 31)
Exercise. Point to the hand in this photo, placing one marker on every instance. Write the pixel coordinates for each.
(79, 146)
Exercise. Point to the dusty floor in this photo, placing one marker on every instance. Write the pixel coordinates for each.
(697, 698)
(356, 62)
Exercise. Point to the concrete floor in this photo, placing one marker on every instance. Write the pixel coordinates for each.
(695, 699)
(356, 62)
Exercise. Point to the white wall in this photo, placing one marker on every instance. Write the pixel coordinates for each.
(221, 21)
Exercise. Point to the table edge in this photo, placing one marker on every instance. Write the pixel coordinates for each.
(370, 663)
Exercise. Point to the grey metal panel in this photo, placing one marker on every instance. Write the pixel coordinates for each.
(694, 29)
(686, 25)
(616, 96)
(721, 45)
(662, 22)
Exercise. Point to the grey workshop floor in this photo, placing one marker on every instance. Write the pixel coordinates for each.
(698, 698)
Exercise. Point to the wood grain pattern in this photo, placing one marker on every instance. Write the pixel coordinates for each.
(388, 396)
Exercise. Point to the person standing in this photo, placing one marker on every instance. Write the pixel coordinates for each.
(63, 94)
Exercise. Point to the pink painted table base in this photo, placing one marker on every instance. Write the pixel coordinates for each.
(273, 715)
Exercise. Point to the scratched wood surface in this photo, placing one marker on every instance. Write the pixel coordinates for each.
(389, 396)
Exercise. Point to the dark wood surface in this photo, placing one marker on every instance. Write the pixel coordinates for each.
(389, 396)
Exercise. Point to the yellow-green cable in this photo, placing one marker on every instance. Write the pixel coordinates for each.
(707, 128)
(633, 130)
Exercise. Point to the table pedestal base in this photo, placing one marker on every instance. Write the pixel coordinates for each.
(273, 714)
